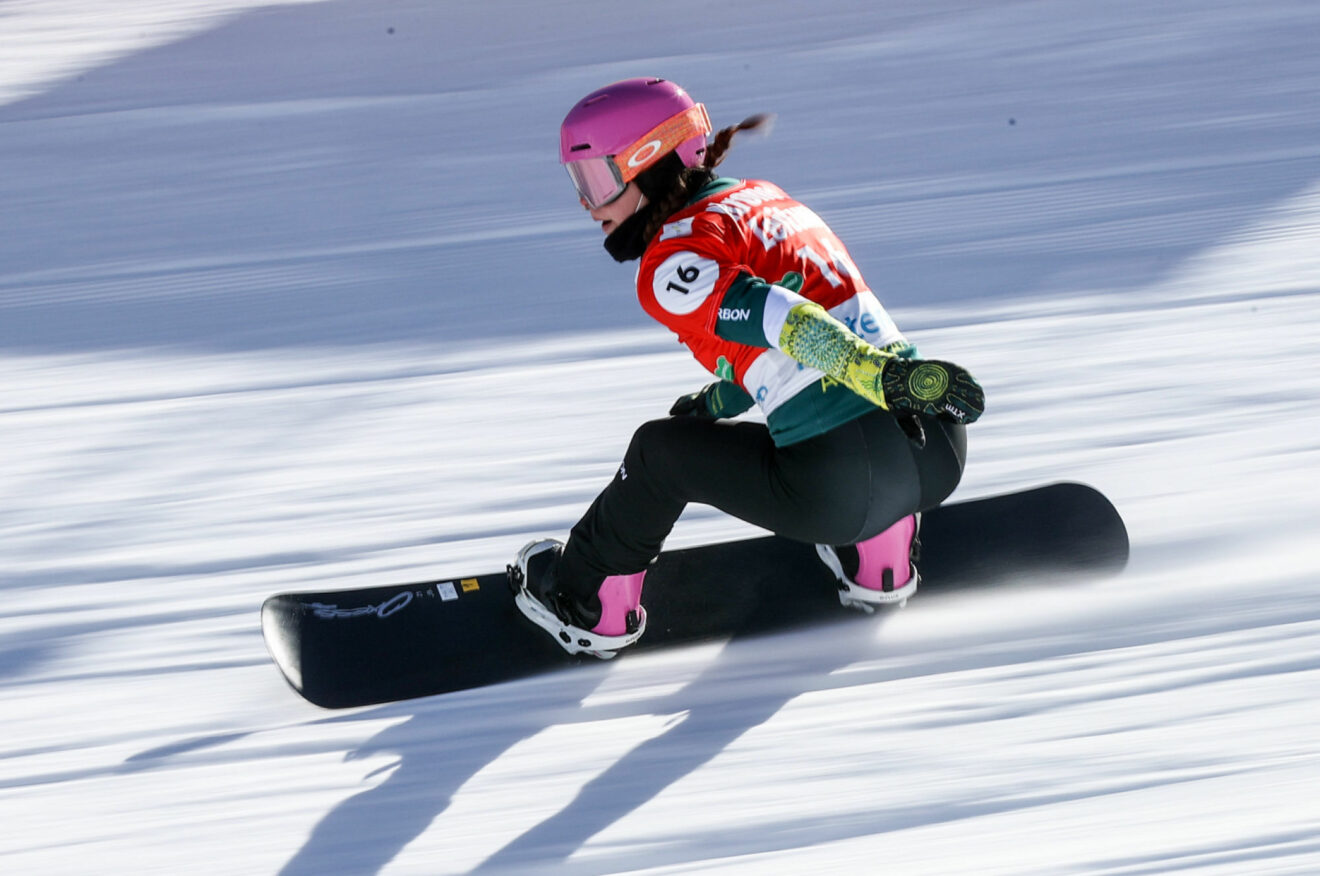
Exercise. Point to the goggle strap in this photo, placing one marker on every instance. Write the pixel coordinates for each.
(661, 140)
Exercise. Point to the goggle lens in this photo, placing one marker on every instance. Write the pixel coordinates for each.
(597, 180)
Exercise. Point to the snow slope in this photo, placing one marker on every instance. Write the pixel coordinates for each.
(295, 296)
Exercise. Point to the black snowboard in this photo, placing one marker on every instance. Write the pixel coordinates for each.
(380, 644)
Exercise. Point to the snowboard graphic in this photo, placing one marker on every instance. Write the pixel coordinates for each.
(380, 644)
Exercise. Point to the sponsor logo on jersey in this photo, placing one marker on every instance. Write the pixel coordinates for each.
(735, 314)
(866, 325)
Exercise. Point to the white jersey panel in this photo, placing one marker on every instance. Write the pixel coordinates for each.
(866, 317)
(778, 302)
(774, 377)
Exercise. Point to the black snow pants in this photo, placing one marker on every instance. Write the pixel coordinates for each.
(839, 488)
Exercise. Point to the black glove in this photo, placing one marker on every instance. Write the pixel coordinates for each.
(929, 386)
(721, 399)
(692, 405)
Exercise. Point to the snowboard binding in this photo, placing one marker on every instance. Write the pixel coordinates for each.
(881, 570)
(619, 594)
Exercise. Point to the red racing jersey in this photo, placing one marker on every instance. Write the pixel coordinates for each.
(723, 273)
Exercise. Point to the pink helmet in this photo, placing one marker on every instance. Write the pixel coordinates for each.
(616, 132)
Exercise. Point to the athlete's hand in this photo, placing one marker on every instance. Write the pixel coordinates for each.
(932, 387)
(692, 405)
(723, 398)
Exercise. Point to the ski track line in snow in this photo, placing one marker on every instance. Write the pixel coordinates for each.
(270, 320)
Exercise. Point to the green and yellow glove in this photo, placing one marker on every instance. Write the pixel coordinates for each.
(927, 386)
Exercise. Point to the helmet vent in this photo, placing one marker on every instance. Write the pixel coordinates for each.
(581, 147)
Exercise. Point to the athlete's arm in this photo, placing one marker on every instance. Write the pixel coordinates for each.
(752, 310)
(815, 339)
(765, 314)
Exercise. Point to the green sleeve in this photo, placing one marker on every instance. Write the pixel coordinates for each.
(742, 310)
(727, 399)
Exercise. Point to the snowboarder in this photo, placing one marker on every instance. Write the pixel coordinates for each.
(860, 435)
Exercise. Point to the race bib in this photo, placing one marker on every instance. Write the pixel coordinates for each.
(683, 281)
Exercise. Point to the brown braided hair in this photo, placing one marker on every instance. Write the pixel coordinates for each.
(724, 139)
(687, 180)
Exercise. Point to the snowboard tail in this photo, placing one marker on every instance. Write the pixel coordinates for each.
(359, 647)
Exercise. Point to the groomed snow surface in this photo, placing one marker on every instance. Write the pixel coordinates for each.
(296, 297)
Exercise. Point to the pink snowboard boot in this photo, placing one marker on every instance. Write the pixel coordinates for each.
(877, 571)
(574, 623)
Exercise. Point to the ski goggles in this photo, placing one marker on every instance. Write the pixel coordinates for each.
(602, 179)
